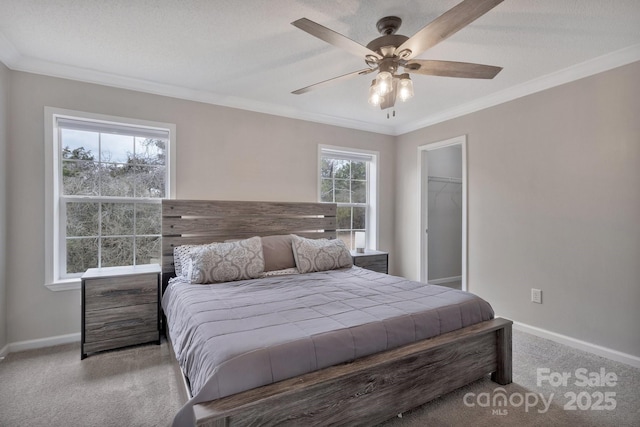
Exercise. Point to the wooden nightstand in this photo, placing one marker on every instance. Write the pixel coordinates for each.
(372, 260)
(120, 307)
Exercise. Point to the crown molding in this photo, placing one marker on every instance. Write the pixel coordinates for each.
(9, 55)
(588, 68)
(12, 58)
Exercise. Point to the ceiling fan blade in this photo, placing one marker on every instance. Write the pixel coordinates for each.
(331, 37)
(452, 69)
(445, 25)
(333, 80)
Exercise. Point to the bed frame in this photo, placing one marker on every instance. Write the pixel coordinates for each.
(363, 392)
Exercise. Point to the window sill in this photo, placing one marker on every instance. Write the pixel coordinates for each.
(64, 285)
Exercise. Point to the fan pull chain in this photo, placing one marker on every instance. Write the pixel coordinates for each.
(394, 114)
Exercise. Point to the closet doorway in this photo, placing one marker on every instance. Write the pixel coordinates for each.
(443, 212)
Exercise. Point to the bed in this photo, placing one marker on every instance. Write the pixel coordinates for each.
(301, 379)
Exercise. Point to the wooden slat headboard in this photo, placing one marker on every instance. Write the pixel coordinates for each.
(204, 221)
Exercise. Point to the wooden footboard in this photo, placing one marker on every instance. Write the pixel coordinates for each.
(375, 388)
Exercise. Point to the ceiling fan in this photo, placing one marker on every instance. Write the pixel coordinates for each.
(386, 54)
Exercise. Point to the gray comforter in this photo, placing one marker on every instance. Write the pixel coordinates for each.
(235, 336)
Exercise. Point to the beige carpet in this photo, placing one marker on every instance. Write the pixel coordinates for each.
(136, 387)
(52, 387)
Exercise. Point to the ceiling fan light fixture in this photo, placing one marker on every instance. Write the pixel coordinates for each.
(384, 83)
(375, 98)
(405, 87)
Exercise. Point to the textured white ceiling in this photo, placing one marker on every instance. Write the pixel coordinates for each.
(246, 54)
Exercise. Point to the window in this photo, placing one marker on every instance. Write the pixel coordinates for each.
(348, 178)
(108, 176)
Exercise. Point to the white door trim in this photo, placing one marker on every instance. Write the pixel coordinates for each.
(422, 206)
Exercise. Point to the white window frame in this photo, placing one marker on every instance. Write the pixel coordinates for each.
(372, 185)
(53, 259)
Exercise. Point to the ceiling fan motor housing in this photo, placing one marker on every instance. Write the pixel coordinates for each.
(386, 45)
(388, 64)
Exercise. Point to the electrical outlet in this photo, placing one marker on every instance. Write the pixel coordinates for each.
(536, 296)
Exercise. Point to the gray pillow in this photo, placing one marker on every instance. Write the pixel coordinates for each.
(278, 254)
(320, 254)
(226, 262)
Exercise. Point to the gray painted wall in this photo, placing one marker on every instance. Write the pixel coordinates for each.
(554, 204)
(222, 153)
(445, 213)
(553, 194)
(4, 119)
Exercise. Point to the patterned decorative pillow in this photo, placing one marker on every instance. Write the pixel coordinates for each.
(226, 262)
(320, 254)
(181, 259)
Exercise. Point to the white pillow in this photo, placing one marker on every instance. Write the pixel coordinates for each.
(320, 254)
(182, 258)
(226, 262)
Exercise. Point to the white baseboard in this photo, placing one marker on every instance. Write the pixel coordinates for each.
(4, 351)
(599, 350)
(444, 280)
(39, 343)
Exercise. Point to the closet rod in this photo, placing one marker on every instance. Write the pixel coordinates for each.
(445, 179)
